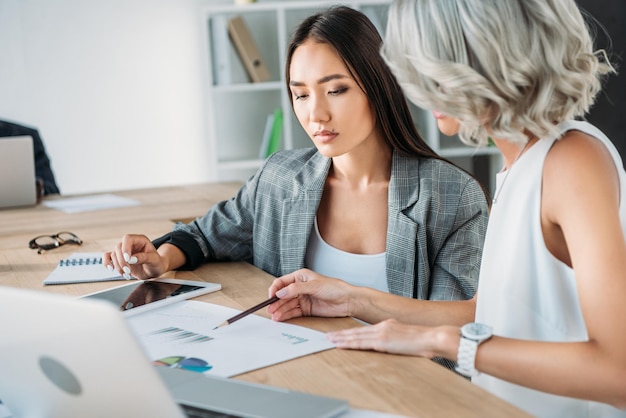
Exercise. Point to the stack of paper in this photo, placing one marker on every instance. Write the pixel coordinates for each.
(89, 203)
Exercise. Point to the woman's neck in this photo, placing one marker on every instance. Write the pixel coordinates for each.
(360, 168)
(511, 151)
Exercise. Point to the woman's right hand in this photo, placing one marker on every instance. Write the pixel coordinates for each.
(306, 293)
(135, 257)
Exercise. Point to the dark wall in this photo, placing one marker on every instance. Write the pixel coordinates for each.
(609, 112)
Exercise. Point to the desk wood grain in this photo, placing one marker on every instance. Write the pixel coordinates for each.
(395, 384)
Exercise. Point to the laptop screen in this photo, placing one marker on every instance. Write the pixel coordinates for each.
(17, 172)
(74, 358)
(71, 357)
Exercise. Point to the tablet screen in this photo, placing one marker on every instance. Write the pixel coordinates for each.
(141, 293)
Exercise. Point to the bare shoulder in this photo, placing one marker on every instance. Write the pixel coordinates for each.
(580, 148)
(579, 166)
(577, 154)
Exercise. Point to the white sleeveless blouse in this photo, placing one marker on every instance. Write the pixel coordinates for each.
(524, 291)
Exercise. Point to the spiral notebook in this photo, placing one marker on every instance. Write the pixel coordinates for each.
(81, 268)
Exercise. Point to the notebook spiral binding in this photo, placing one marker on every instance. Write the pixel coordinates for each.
(80, 261)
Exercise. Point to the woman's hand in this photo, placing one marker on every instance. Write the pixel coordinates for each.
(136, 257)
(306, 293)
(392, 336)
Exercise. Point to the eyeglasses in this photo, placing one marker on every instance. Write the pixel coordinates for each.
(50, 242)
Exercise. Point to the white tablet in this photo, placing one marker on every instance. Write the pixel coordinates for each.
(142, 295)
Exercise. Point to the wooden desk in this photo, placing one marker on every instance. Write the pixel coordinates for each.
(382, 382)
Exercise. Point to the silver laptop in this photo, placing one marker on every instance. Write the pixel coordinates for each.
(66, 357)
(17, 172)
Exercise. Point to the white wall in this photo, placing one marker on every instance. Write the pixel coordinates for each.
(115, 88)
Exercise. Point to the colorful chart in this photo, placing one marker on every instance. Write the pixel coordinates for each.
(180, 362)
(183, 335)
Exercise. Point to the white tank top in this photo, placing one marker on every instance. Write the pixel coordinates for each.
(524, 291)
(357, 269)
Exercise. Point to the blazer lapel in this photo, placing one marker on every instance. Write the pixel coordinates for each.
(401, 230)
(299, 213)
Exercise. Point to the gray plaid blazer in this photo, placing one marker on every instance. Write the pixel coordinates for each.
(437, 220)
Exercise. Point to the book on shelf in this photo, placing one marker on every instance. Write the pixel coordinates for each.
(81, 268)
(276, 134)
(246, 48)
(272, 134)
(227, 67)
(267, 132)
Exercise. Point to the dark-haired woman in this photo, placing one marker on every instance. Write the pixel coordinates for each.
(370, 204)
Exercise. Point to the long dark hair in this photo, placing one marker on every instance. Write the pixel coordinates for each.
(357, 42)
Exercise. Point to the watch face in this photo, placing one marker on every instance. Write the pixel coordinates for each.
(476, 330)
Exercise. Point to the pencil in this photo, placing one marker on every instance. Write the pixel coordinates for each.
(247, 312)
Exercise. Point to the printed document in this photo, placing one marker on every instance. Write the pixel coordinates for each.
(182, 335)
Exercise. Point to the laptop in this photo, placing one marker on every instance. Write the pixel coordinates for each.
(17, 172)
(67, 357)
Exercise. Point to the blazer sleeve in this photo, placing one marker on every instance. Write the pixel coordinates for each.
(225, 232)
(266, 222)
(456, 268)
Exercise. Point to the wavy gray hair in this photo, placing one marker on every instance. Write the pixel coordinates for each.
(510, 65)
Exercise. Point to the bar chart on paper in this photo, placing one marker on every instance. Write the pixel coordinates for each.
(182, 335)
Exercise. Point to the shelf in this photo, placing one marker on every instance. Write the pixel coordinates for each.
(242, 87)
(240, 164)
(277, 6)
(467, 151)
(238, 109)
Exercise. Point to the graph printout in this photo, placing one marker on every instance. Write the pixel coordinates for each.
(182, 335)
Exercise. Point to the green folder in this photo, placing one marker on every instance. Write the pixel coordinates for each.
(276, 133)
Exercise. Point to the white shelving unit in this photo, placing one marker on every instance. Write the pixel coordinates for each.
(238, 108)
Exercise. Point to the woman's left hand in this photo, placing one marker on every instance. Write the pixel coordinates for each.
(392, 336)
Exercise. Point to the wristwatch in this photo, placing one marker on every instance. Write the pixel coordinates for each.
(472, 335)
